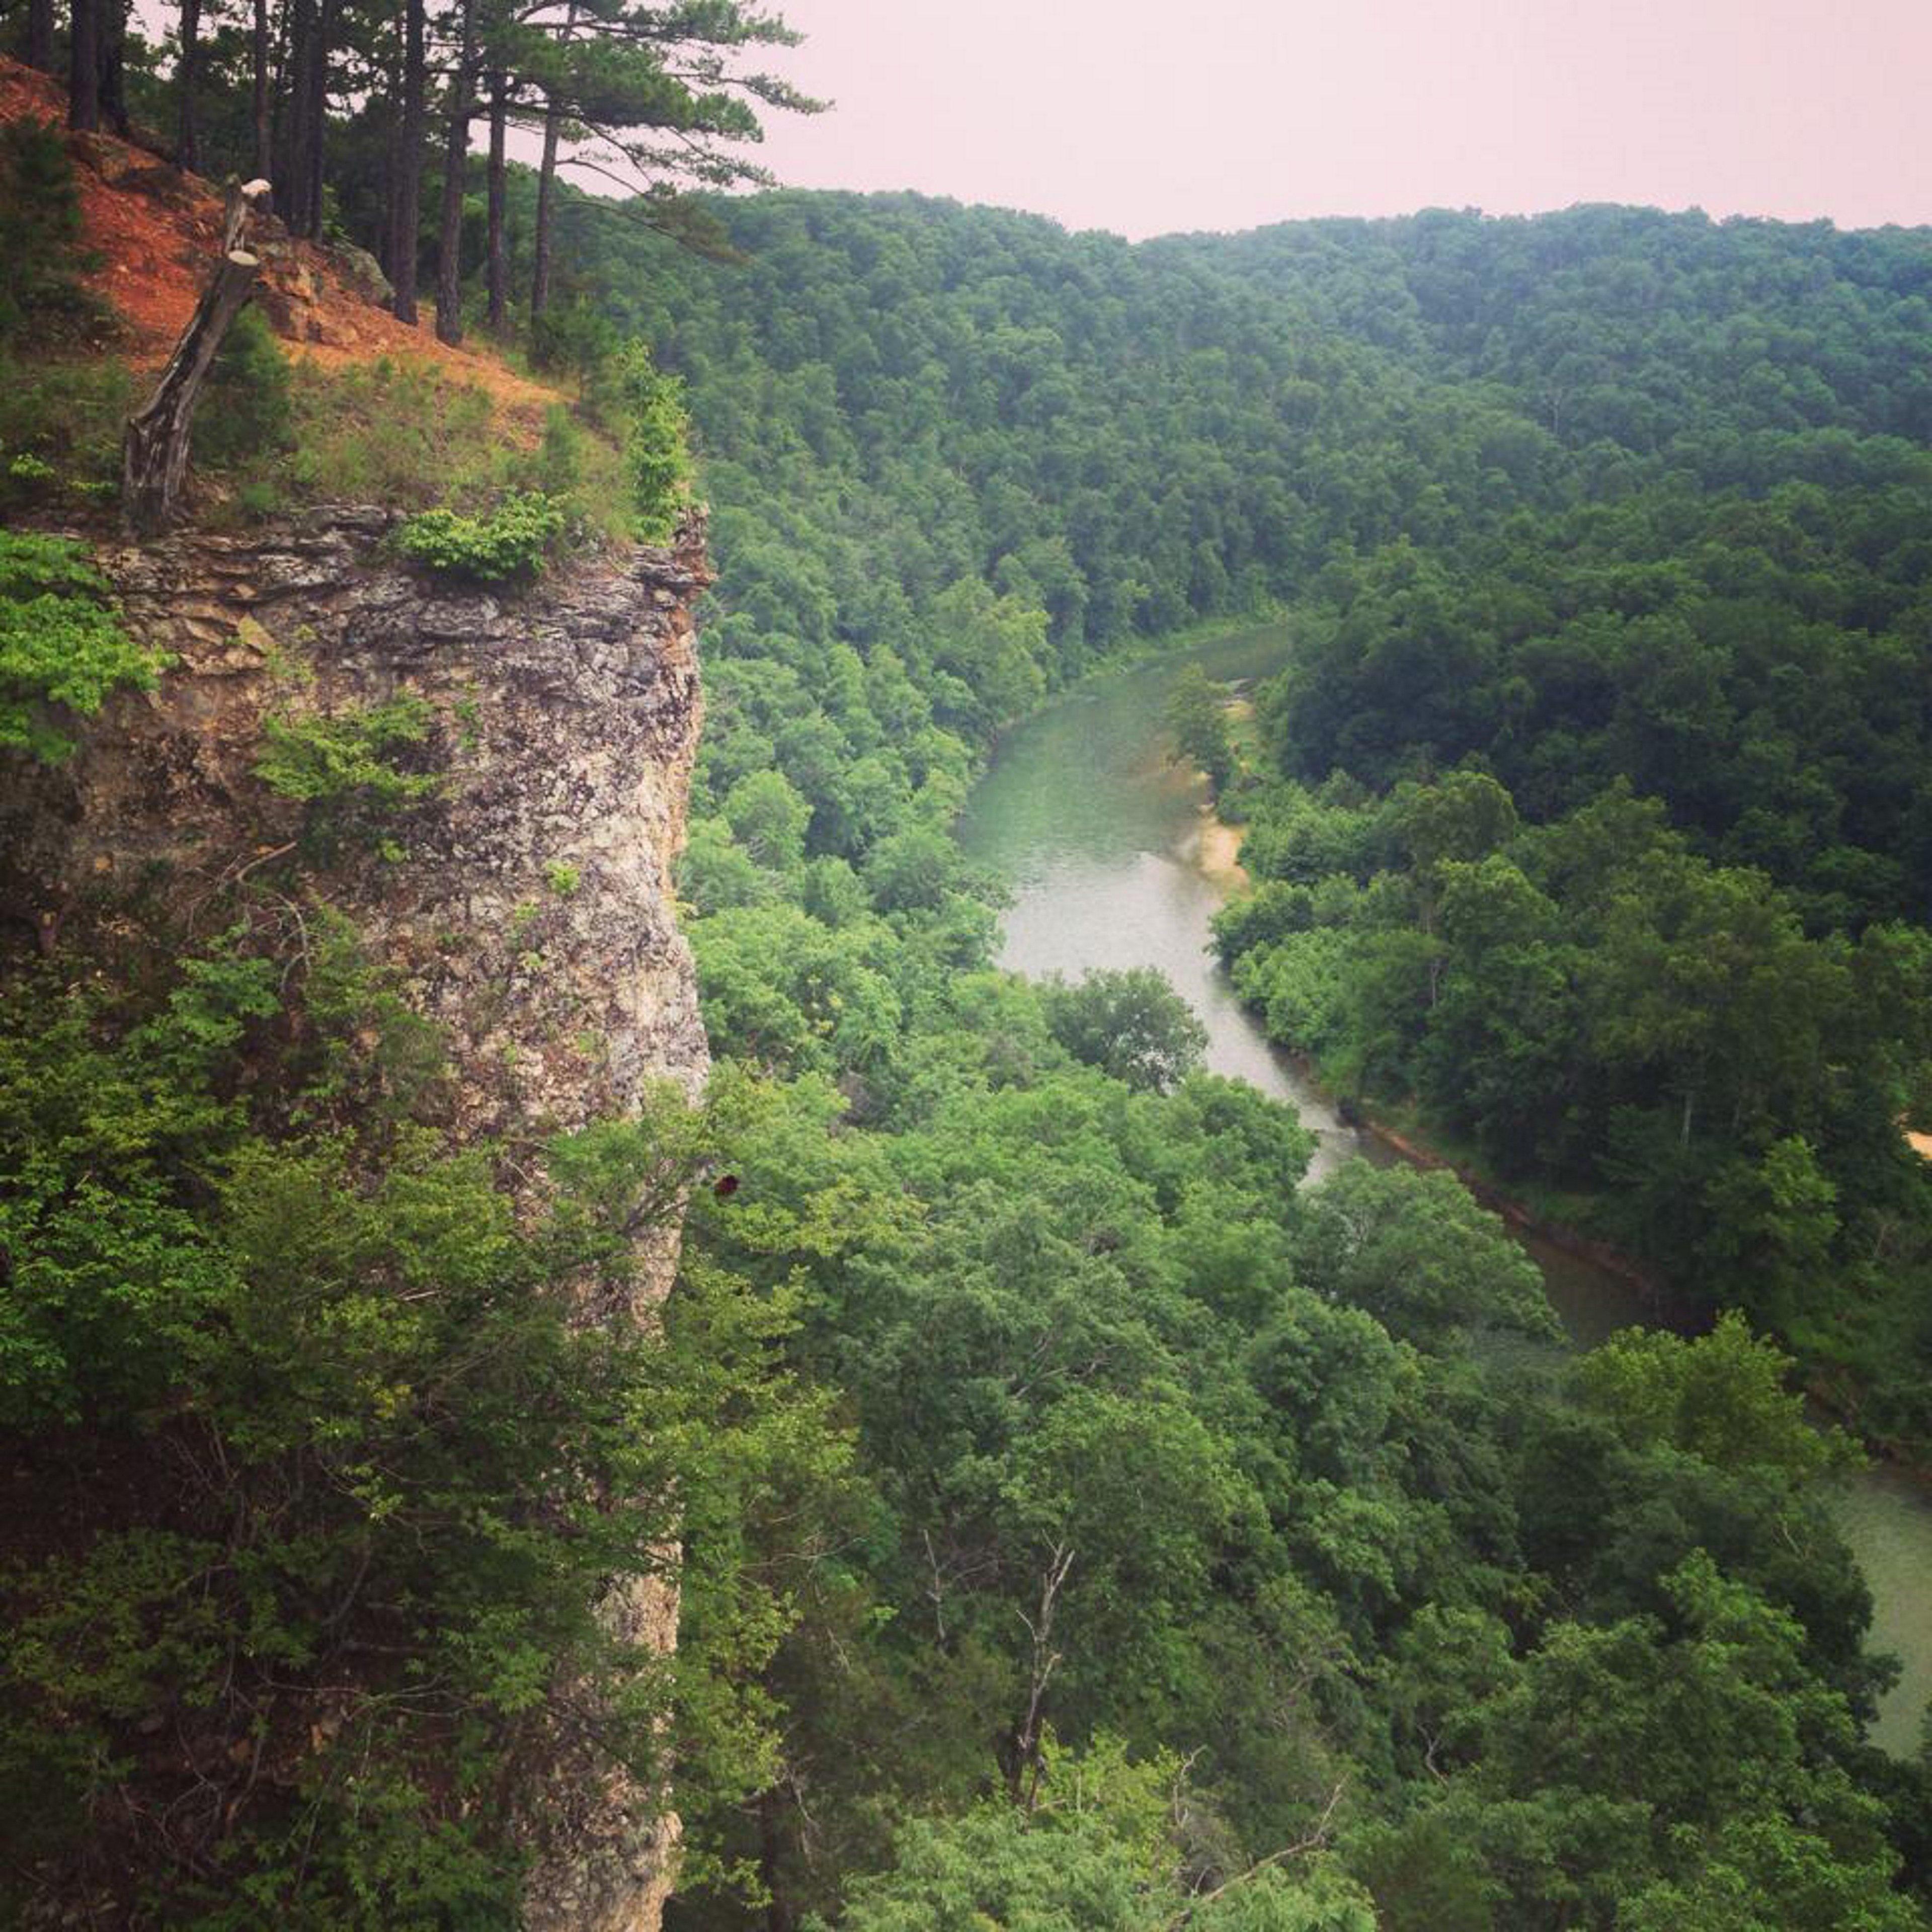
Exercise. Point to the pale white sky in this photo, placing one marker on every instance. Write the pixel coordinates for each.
(1142, 118)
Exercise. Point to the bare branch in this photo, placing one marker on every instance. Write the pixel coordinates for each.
(1311, 1841)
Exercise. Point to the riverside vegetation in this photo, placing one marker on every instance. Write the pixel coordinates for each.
(1082, 1524)
(957, 458)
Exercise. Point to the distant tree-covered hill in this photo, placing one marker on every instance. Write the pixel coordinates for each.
(1589, 817)
(1598, 505)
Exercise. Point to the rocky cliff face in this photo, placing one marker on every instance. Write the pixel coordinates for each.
(526, 905)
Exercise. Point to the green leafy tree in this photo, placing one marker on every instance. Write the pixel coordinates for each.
(1634, 1767)
(1195, 712)
(768, 818)
(987, 1873)
(399, 1473)
(657, 461)
(1131, 1024)
(1723, 1396)
(992, 649)
(1417, 1251)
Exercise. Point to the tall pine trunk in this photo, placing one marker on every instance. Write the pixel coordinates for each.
(540, 261)
(316, 115)
(449, 238)
(114, 65)
(313, 34)
(40, 35)
(83, 73)
(264, 125)
(546, 213)
(186, 155)
(294, 172)
(392, 155)
(404, 237)
(497, 272)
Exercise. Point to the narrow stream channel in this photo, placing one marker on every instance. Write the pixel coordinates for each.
(1100, 839)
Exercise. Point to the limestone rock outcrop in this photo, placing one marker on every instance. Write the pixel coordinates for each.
(525, 904)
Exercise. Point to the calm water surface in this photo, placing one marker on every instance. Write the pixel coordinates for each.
(1100, 838)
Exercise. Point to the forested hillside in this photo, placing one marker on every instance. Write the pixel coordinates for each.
(1080, 1523)
(1609, 505)
(1599, 539)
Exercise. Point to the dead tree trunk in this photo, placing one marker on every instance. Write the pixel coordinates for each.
(154, 453)
(1023, 1781)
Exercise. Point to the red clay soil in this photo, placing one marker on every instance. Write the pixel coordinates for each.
(155, 228)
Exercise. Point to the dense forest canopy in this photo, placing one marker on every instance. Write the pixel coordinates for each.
(1106, 1532)
(1605, 571)
(1567, 514)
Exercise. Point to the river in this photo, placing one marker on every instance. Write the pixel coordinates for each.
(1100, 838)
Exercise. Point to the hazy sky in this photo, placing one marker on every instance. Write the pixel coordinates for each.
(1227, 113)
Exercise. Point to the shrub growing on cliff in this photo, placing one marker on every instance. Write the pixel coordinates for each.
(657, 456)
(512, 542)
(347, 769)
(62, 646)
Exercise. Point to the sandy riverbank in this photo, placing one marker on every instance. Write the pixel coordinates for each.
(1220, 854)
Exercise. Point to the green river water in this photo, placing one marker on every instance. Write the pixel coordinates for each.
(1099, 837)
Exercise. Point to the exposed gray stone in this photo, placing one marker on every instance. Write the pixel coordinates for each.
(566, 720)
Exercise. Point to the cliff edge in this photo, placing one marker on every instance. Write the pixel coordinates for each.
(523, 902)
